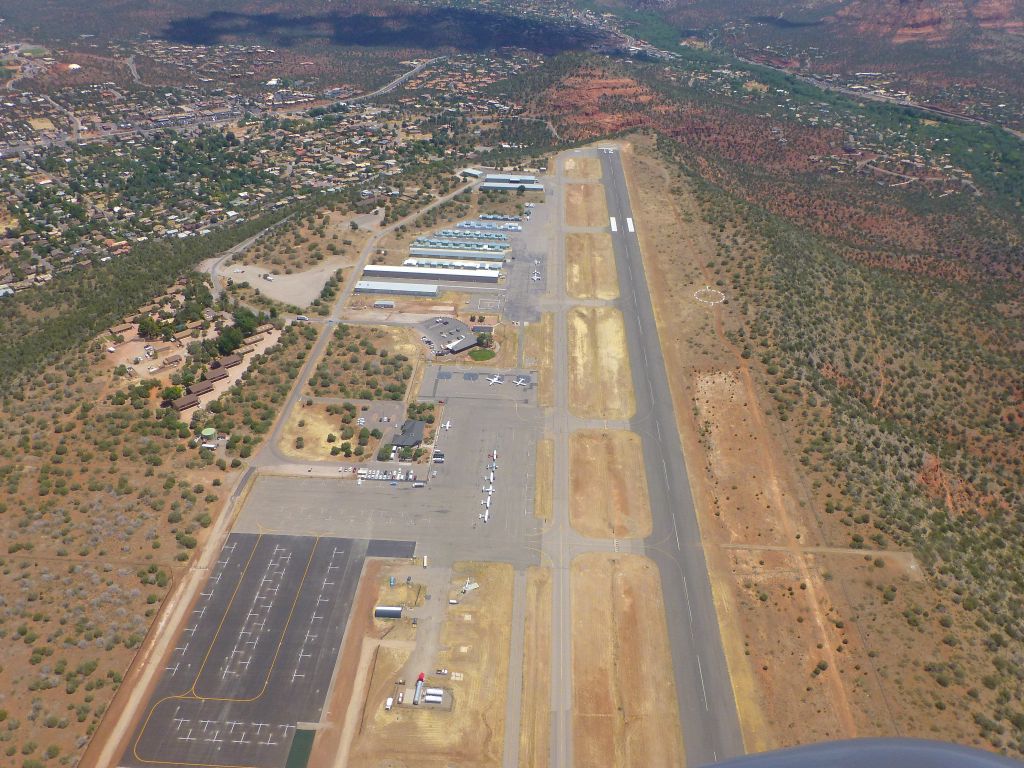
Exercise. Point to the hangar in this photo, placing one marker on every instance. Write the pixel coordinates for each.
(452, 263)
(433, 273)
(406, 289)
(454, 253)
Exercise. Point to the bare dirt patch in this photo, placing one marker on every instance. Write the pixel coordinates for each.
(474, 646)
(41, 124)
(308, 430)
(608, 484)
(535, 732)
(590, 266)
(538, 350)
(296, 290)
(623, 704)
(586, 168)
(600, 381)
(585, 205)
(543, 495)
(408, 308)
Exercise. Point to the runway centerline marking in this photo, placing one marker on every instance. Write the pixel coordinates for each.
(700, 672)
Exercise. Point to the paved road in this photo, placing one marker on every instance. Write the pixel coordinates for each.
(711, 729)
(212, 266)
(396, 82)
(269, 454)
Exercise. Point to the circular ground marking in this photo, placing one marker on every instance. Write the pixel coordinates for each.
(709, 295)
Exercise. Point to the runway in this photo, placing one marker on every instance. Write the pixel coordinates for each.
(707, 707)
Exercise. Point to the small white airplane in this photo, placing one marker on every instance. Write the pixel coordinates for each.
(447, 425)
(521, 382)
(535, 277)
(495, 379)
(488, 490)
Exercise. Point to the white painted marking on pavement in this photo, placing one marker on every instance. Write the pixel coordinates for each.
(676, 529)
(702, 690)
(686, 592)
(615, 227)
(629, 225)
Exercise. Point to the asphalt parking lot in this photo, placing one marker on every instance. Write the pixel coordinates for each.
(452, 382)
(441, 331)
(257, 653)
(444, 517)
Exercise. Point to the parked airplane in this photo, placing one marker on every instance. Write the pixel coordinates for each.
(496, 379)
(488, 490)
(447, 425)
(521, 381)
(535, 277)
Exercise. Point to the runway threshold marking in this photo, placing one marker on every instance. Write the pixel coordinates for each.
(614, 225)
(629, 225)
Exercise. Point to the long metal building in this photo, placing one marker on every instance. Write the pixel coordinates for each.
(473, 234)
(431, 273)
(511, 178)
(512, 186)
(454, 253)
(402, 289)
(492, 226)
(441, 242)
(452, 263)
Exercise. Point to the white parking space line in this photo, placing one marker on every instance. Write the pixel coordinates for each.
(629, 225)
(615, 226)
